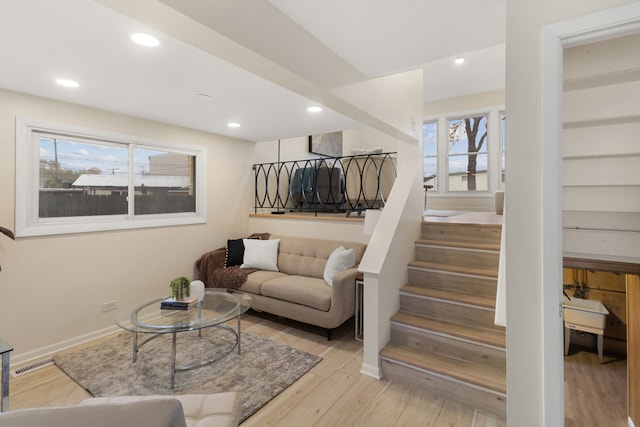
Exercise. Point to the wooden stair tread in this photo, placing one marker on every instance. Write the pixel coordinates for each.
(468, 372)
(461, 245)
(484, 301)
(461, 269)
(481, 335)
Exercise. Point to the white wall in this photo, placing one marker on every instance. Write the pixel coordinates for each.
(476, 101)
(53, 287)
(367, 138)
(298, 148)
(290, 149)
(534, 343)
(330, 228)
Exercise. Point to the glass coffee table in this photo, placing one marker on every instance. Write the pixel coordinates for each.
(216, 308)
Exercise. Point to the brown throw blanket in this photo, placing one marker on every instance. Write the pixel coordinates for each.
(214, 274)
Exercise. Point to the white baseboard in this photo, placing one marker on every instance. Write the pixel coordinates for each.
(631, 423)
(371, 371)
(48, 351)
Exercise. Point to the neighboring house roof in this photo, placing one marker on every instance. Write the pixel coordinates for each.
(95, 180)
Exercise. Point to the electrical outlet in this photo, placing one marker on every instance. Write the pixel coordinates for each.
(109, 306)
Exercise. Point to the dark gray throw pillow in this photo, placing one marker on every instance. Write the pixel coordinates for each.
(235, 252)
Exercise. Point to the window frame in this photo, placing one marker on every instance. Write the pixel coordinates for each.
(493, 150)
(27, 220)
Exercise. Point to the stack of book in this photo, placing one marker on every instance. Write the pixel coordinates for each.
(172, 304)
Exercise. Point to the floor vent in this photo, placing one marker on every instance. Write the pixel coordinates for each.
(31, 368)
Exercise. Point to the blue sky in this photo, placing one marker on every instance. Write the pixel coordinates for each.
(81, 156)
(456, 163)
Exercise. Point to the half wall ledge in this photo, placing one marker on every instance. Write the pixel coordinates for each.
(320, 216)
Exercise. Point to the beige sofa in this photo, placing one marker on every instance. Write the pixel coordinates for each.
(191, 410)
(298, 290)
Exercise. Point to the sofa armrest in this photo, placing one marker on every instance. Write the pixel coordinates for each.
(346, 277)
(344, 292)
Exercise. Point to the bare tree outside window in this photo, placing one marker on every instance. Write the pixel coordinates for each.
(468, 154)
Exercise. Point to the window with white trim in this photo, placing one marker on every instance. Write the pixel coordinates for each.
(72, 181)
(466, 152)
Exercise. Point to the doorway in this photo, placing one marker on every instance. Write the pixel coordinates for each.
(601, 83)
(593, 238)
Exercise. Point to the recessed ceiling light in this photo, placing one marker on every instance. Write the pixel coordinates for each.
(233, 125)
(145, 39)
(67, 83)
(459, 61)
(314, 109)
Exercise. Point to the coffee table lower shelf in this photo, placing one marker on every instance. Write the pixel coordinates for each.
(138, 344)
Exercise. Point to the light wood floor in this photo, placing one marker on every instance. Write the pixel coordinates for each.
(595, 394)
(335, 394)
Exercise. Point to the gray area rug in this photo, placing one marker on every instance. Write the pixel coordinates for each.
(262, 370)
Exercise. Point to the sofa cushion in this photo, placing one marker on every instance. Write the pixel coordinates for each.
(152, 412)
(262, 254)
(308, 291)
(255, 280)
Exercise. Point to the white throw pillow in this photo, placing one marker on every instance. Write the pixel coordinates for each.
(339, 260)
(262, 254)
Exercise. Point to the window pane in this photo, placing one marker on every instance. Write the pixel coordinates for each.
(462, 180)
(164, 182)
(468, 154)
(430, 148)
(81, 179)
(430, 164)
(430, 138)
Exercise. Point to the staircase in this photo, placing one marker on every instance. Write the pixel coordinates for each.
(443, 339)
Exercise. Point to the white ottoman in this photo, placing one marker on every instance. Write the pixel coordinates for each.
(200, 410)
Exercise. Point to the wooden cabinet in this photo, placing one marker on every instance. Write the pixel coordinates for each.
(633, 348)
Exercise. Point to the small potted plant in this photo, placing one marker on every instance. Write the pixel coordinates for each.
(180, 288)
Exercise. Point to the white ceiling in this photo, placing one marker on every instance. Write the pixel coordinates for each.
(41, 40)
